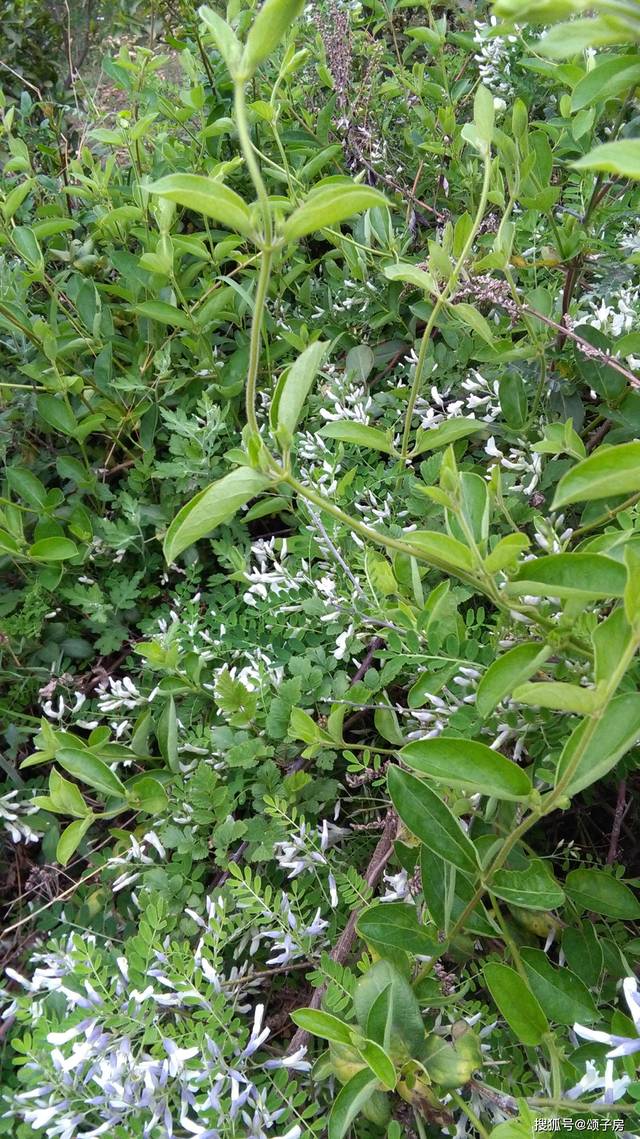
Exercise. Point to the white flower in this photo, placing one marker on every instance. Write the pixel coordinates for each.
(177, 1056)
(619, 1045)
(592, 1080)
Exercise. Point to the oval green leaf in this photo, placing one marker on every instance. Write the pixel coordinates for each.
(516, 1002)
(213, 506)
(86, 767)
(616, 732)
(508, 671)
(350, 1101)
(621, 158)
(379, 1062)
(394, 925)
(293, 388)
(601, 893)
(448, 432)
(323, 1024)
(358, 433)
(467, 764)
(206, 196)
(430, 820)
(562, 995)
(533, 888)
(330, 205)
(53, 550)
(570, 575)
(609, 472)
(71, 838)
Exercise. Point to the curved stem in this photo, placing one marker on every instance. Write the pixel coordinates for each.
(441, 300)
(248, 151)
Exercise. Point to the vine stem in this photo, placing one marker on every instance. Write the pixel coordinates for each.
(441, 300)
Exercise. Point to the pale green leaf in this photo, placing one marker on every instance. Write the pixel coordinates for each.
(206, 196)
(211, 507)
(328, 206)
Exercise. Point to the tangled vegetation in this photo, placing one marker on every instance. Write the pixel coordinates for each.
(320, 603)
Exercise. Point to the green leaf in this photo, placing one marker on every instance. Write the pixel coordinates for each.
(600, 892)
(446, 433)
(484, 114)
(616, 732)
(516, 1002)
(566, 40)
(379, 1021)
(71, 838)
(439, 549)
(323, 1024)
(66, 796)
(293, 388)
(610, 640)
(411, 275)
(56, 413)
(407, 1023)
(447, 894)
(564, 997)
(165, 314)
(620, 158)
(394, 925)
(560, 696)
(584, 576)
(146, 794)
(224, 37)
(513, 399)
(329, 206)
(52, 550)
(86, 767)
(379, 1062)
(430, 820)
(467, 764)
(167, 735)
(209, 509)
(206, 196)
(534, 888)
(8, 545)
(469, 316)
(271, 24)
(350, 432)
(583, 952)
(27, 486)
(608, 472)
(506, 673)
(608, 79)
(27, 245)
(350, 1101)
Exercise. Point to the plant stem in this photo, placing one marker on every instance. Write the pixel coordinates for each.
(256, 334)
(416, 386)
(470, 1114)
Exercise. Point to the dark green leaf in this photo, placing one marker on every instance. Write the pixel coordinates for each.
(395, 925)
(600, 892)
(427, 817)
(516, 1002)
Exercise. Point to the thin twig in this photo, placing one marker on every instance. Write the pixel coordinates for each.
(621, 810)
(585, 346)
(376, 644)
